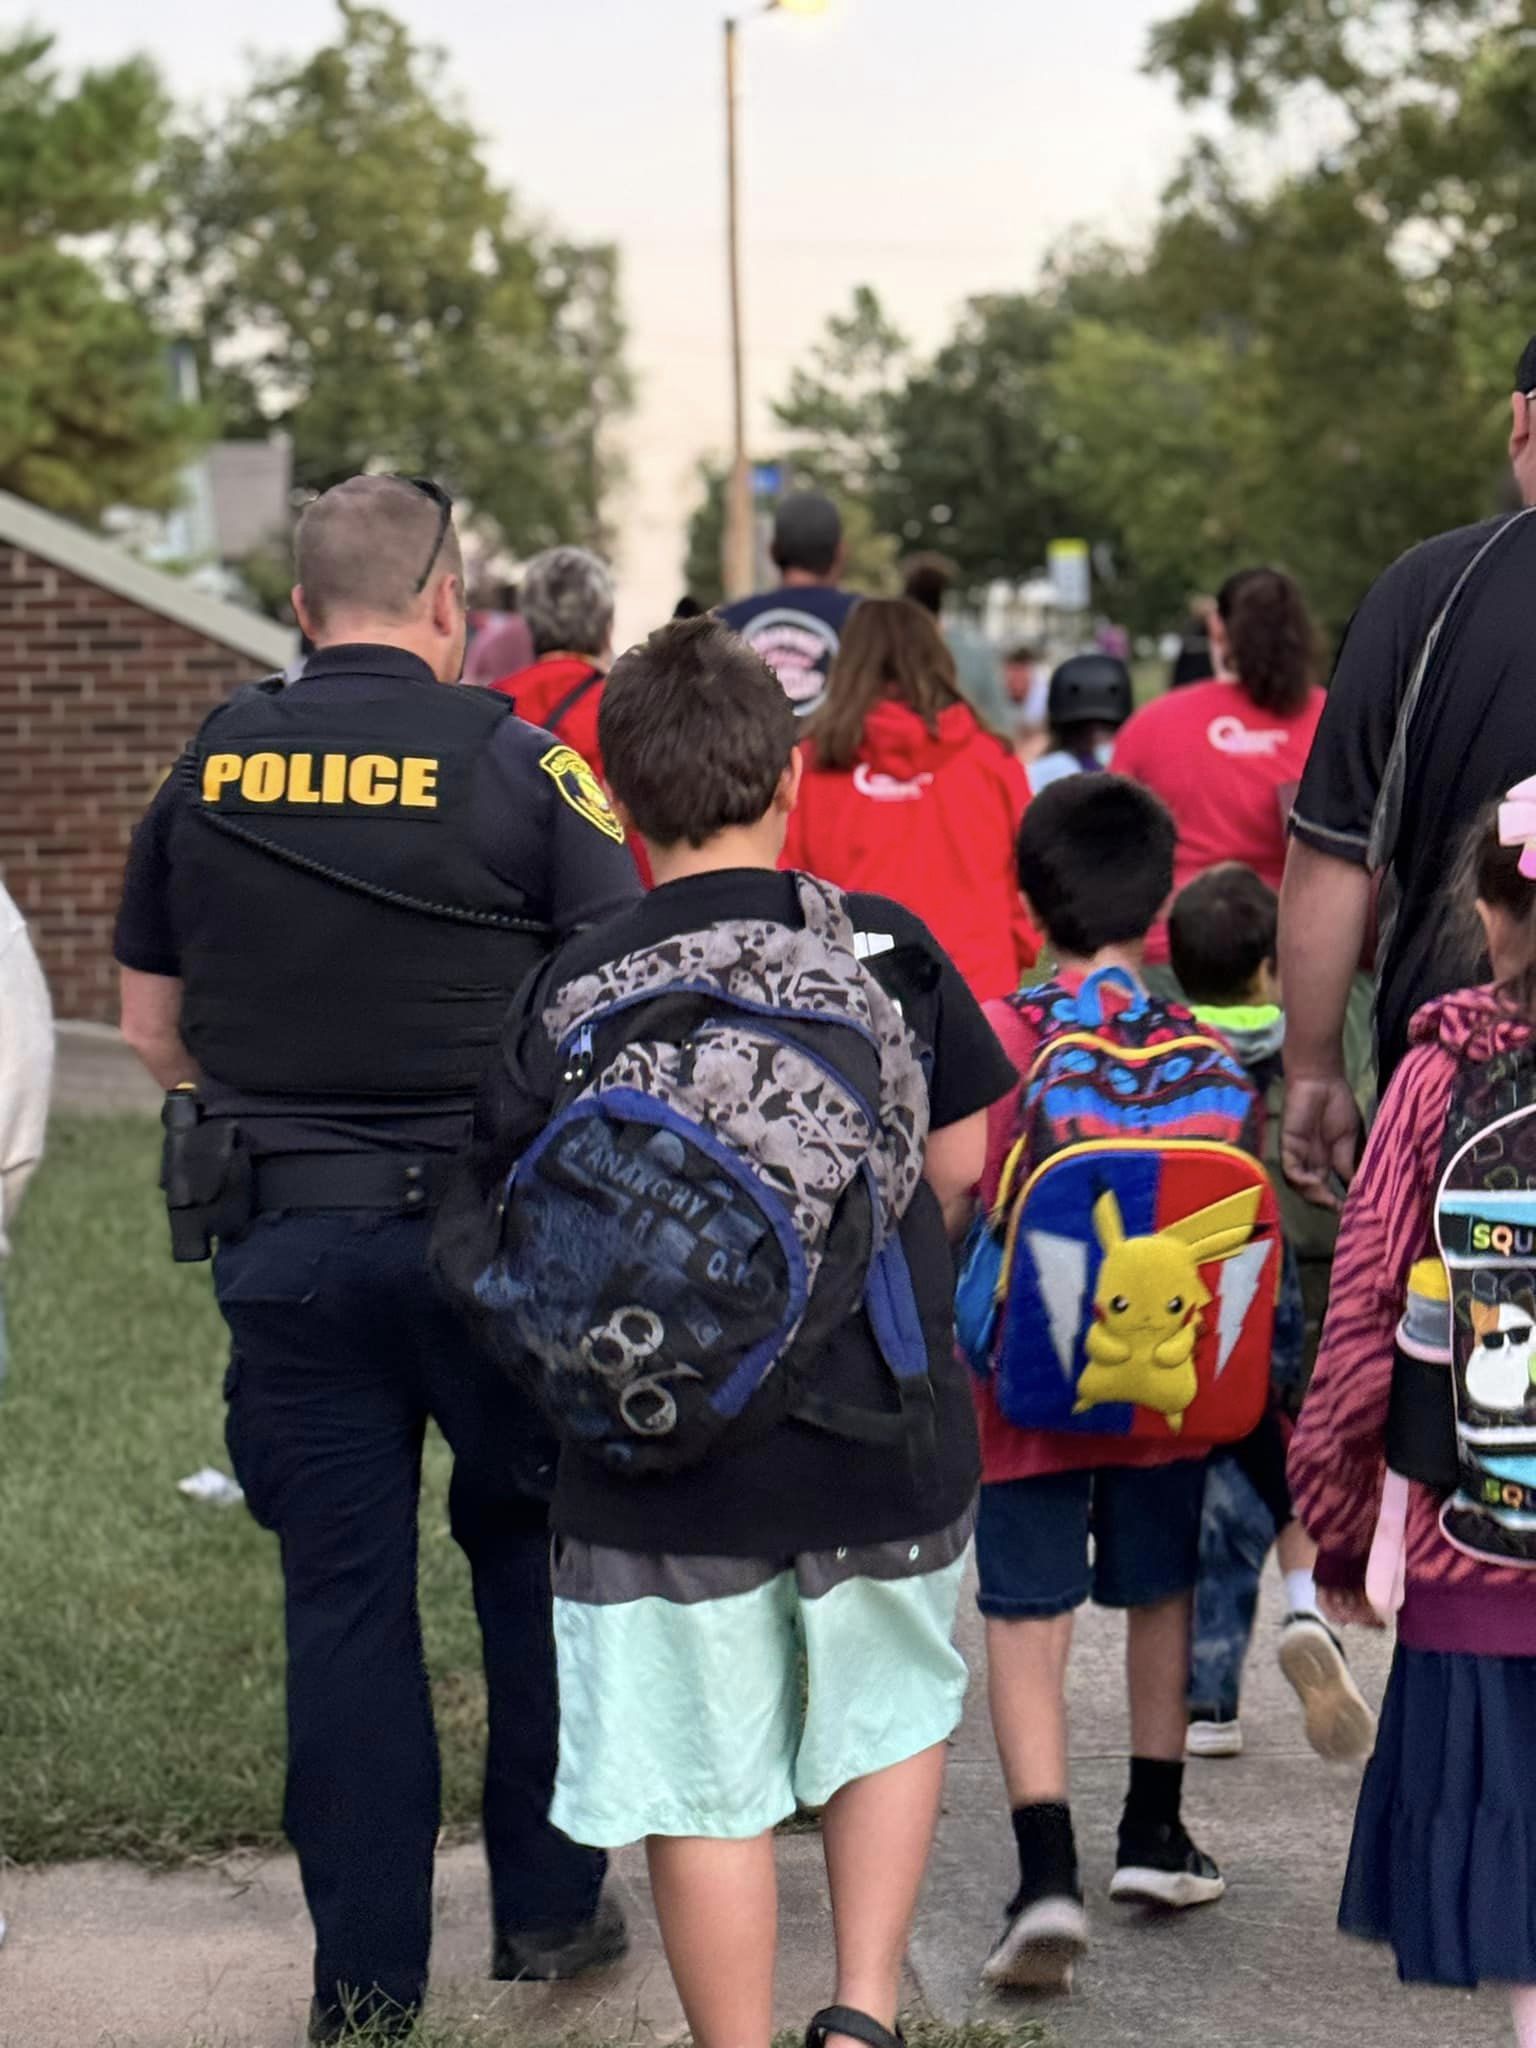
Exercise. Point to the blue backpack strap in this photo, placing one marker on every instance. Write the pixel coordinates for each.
(1090, 997)
(890, 1303)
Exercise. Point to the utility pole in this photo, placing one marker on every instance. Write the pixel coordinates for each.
(738, 551)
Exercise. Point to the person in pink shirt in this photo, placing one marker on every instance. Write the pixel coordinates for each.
(1226, 755)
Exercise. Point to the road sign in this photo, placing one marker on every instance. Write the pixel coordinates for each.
(1071, 574)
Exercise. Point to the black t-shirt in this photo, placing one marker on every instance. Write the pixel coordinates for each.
(1470, 734)
(560, 869)
(798, 1488)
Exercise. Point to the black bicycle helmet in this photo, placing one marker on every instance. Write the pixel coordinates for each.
(1090, 689)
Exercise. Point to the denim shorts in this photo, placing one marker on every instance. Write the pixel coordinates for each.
(1033, 1536)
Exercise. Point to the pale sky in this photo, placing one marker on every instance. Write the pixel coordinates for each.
(931, 148)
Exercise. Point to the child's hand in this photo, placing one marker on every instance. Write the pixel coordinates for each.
(1347, 1607)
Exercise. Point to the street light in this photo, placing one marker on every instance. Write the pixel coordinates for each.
(738, 561)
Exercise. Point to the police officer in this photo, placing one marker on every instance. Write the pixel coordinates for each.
(326, 910)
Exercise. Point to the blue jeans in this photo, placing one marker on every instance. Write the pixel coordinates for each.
(1238, 1527)
(341, 1351)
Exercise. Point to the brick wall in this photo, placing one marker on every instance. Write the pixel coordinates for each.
(97, 698)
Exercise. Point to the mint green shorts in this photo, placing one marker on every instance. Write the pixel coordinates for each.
(712, 1695)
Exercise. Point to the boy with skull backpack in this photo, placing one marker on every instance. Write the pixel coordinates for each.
(1116, 1301)
(714, 1175)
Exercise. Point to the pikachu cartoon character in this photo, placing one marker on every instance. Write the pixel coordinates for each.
(1149, 1301)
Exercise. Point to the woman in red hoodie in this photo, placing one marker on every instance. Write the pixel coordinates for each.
(906, 794)
(1443, 1864)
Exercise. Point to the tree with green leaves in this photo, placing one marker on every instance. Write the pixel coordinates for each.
(88, 417)
(357, 278)
(837, 409)
(1428, 106)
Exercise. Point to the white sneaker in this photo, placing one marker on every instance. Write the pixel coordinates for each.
(1340, 1725)
(1040, 1945)
(1214, 1738)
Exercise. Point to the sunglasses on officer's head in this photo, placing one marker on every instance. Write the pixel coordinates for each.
(429, 487)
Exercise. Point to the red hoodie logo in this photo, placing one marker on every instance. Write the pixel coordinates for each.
(886, 789)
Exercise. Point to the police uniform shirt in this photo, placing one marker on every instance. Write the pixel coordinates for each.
(538, 820)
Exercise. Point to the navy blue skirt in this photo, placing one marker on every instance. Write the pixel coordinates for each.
(1443, 1862)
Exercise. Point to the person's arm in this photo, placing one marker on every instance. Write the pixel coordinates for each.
(151, 1025)
(1338, 1455)
(952, 1166)
(26, 1069)
(1325, 907)
(546, 825)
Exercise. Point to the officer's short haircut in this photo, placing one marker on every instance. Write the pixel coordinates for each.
(567, 599)
(362, 547)
(696, 732)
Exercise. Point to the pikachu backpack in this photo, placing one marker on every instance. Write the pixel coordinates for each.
(1124, 1282)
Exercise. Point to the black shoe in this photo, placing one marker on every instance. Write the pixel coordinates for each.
(1045, 1935)
(549, 1955)
(1162, 1867)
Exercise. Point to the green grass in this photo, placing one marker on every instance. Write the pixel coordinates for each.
(140, 1643)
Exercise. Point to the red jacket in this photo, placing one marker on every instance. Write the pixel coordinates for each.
(929, 819)
(538, 692)
(1337, 1458)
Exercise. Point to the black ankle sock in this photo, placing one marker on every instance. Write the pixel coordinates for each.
(1155, 1791)
(1047, 1852)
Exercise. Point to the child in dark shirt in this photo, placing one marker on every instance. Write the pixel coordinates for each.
(772, 1623)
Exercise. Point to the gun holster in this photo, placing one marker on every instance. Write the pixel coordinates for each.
(205, 1174)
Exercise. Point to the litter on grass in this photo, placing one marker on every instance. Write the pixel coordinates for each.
(215, 1489)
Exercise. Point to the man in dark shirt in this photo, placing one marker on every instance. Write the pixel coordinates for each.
(1429, 718)
(796, 628)
(325, 913)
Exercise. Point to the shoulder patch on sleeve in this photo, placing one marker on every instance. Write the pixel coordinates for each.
(581, 789)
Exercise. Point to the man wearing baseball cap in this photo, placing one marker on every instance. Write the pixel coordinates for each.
(1431, 714)
(796, 628)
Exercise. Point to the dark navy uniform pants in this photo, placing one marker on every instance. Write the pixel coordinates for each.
(341, 1352)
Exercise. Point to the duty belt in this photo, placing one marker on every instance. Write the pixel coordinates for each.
(403, 1183)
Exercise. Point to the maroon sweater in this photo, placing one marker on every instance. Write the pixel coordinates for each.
(1336, 1464)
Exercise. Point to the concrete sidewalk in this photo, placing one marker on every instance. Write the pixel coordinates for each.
(101, 1955)
(1266, 1967)
(104, 1956)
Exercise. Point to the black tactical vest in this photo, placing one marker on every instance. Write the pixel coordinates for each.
(340, 932)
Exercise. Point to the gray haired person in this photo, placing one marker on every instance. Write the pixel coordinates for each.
(566, 598)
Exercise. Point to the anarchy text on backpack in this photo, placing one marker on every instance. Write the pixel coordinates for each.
(721, 1184)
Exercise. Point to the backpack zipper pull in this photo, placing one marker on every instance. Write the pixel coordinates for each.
(579, 1063)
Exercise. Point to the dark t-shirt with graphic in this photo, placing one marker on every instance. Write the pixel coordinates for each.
(796, 630)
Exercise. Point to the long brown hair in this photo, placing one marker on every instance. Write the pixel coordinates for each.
(1488, 871)
(1275, 645)
(890, 648)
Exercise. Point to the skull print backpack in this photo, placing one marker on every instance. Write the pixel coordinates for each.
(738, 1133)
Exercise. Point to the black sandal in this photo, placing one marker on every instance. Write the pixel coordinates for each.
(858, 2026)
